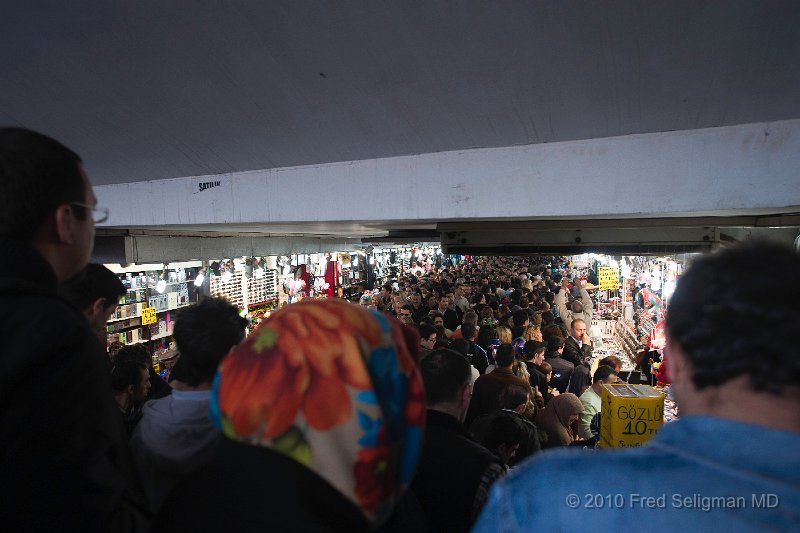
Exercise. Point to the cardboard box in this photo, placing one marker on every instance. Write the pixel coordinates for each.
(630, 415)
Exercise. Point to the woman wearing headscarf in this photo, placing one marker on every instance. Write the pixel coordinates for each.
(322, 409)
(557, 418)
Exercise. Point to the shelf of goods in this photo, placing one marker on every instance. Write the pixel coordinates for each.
(246, 291)
(125, 325)
(614, 337)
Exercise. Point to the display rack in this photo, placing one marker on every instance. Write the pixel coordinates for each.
(262, 289)
(125, 325)
(233, 288)
(626, 341)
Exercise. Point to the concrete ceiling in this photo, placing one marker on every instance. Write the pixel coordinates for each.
(155, 90)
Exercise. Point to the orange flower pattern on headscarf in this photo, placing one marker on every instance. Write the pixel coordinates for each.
(315, 367)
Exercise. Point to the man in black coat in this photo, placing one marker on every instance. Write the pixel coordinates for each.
(562, 369)
(455, 472)
(577, 346)
(66, 462)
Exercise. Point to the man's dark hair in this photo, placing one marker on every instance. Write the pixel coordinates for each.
(435, 314)
(426, 330)
(504, 355)
(519, 317)
(611, 360)
(37, 174)
(513, 396)
(506, 429)
(444, 373)
(96, 281)
(468, 330)
(461, 346)
(545, 368)
(205, 333)
(407, 307)
(133, 352)
(723, 317)
(602, 373)
(554, 343)
(532, 347)
(126, 373)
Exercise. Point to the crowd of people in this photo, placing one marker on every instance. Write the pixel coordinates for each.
(451, 399)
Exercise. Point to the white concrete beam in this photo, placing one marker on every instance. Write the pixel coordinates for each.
(711, 171)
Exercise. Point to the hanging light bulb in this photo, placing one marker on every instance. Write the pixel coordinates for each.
(226, 276)
(355, 261)
(198, 281)
(161, 286)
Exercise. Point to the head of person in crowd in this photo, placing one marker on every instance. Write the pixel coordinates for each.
(448, 382)
(406, 315)
(577, 329)
(485, 334)
(504, 436)
(416, 300)
(205, 333)
(397, 303)
(471, 317)
(533, 351)
(131, 383)
(546, 369)
(552, 331)
(722, 350)
(366, 300)
(603, 375)
(360, 433)
(386, 291)
(532, 333)
(504, 334)
(469, 331)
(558, 417)
(436, 318)
(505, 355)
(96, 292)
(46, 200)
(132, 352)
(520, 318)
(613, 361)
(427, 336)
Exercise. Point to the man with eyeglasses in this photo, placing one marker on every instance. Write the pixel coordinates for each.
(65, 461)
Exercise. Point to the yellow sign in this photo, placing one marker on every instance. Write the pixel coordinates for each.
(148, 316)
(631, 415)
(609, 278)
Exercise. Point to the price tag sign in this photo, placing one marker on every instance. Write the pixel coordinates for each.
(148, 316)
(609, 278)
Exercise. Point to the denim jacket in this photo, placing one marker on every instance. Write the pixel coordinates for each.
(697, 474)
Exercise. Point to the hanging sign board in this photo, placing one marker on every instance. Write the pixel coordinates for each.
(148, 316)
(344, 258)
(609, 278)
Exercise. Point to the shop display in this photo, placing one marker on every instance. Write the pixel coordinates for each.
(146, 312)
(631, 415)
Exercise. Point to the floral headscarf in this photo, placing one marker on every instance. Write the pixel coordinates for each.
(335, 387)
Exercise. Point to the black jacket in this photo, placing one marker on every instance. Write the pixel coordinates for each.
(449, 473)
(574, 354)
(66, 461)
(562, 371)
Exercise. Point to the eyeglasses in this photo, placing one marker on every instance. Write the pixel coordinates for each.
(99, 214)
